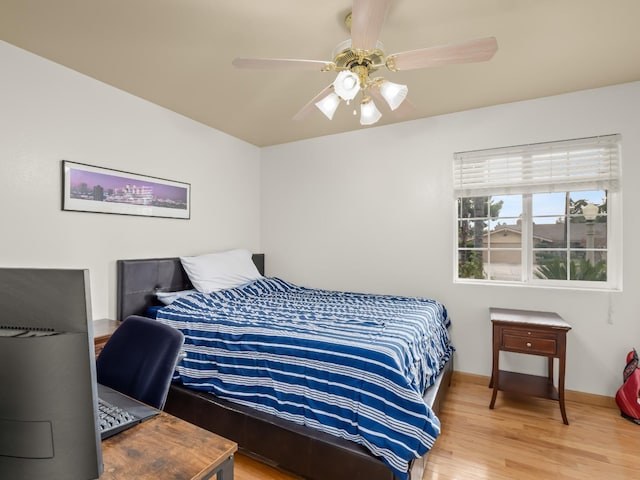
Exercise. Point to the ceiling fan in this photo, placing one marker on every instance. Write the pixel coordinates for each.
(358, 57)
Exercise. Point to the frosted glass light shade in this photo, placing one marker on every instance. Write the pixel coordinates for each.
(329, 104)
(393, 93)
(369, 113)
(346, 85)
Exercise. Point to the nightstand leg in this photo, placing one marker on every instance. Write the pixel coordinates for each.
(495, 370)
(561, 390)
(495, 392)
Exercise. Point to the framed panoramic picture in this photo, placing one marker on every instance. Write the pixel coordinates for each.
(87, 188)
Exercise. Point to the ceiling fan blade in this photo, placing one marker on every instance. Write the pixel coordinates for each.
(367, 19)
(316, 65)
(308, 108)
(478, 50)
(405, 110)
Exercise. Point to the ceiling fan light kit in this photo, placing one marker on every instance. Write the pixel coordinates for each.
(354, 79)
(346, 85)
(369, 113)
(393, 93)
(329, 104)
(355, 58)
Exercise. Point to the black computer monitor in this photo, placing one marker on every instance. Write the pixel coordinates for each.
(48, 393)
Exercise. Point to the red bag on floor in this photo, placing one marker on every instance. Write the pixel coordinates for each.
(628, 395)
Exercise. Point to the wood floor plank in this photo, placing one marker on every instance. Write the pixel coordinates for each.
(522, 438)
(525, 438)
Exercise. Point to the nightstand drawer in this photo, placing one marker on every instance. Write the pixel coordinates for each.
(529, 344)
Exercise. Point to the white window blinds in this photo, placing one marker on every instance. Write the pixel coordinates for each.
(581, 164)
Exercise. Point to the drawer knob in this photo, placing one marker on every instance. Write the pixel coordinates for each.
(529, 344)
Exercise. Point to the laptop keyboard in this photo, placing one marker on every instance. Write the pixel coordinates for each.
(113, 419)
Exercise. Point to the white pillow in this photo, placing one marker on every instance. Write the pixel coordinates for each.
(169, 297)
(217, 271)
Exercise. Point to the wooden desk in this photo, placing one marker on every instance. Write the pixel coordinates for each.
(532, 333)
(166, 447)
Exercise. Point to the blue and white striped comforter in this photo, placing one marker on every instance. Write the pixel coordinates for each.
(353, 365)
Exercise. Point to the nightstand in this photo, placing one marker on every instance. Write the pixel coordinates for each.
(532, 333)
(102, 330)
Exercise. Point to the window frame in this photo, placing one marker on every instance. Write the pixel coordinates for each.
(527, 277)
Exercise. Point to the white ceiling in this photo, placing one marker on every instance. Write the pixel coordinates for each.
(178, 53)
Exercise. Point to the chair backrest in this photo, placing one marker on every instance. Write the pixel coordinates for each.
(139, 359)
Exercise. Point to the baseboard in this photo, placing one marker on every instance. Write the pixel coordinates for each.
(470, 378)
(570, 395)
(590, 399)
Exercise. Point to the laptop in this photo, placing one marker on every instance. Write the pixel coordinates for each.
(118, 412)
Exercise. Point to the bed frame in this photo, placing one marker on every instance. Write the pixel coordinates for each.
(294, 448)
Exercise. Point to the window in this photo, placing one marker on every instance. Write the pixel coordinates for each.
(543, 214)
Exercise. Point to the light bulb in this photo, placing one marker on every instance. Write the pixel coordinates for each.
(350, 82)
(369, 113)
(346, 85)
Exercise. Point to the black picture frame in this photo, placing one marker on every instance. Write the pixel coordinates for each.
(89, 188)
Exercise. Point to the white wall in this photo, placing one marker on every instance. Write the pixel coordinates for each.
(372, 210)
(369, 210)
(49, 113)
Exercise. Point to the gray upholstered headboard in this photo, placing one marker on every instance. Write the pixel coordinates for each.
(140, 279)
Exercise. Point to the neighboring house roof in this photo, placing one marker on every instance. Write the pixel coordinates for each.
(516, 229)
(554, 232)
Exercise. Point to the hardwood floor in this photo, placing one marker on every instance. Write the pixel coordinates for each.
(522, 438)
(246, 468)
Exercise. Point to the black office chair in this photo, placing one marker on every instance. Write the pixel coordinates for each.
(139, 359)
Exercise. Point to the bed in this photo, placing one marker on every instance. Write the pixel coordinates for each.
(285, 443)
